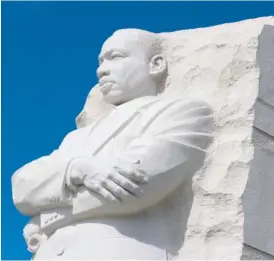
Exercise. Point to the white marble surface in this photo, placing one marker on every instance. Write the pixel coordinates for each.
(104, 187)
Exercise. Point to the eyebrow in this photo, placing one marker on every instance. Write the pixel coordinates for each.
(101, 55)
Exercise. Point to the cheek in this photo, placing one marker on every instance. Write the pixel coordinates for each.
(134, 73)
(120, 71)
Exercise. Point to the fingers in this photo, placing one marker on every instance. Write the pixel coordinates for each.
(115, 189)
(125, 183)
(122, 182)
(134, 175)
(72, 188)
(69, 184)
(111, 190)
(103, 192)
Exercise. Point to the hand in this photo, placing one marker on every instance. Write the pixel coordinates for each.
(33, 235)
(77, 170)
(117, 184)
(32, 227)
(112, 184)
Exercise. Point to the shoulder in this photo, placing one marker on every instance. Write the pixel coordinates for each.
(177, 106)
(73, 136)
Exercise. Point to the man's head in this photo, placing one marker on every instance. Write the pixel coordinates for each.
(131, 65)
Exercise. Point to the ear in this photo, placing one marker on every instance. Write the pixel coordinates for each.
(157, 66)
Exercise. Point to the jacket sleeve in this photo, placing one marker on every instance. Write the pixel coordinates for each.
(171, 148)
(40, 184)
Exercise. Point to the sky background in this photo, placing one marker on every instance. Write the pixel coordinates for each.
(49, 59)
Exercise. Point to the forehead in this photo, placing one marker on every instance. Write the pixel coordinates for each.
(127, 41)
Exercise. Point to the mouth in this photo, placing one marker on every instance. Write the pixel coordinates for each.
(105, 87)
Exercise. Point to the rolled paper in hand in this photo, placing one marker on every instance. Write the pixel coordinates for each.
(35, 241)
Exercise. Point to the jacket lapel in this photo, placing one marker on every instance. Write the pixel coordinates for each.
(114, 122)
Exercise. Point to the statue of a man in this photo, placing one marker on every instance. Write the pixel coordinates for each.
(98, 196)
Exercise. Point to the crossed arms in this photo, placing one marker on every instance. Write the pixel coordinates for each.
(170, 149)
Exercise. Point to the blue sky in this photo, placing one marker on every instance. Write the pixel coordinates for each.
(49, 58)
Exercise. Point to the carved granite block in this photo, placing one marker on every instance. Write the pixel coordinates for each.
(250, 253)
(264, 115)
(266, 63)
(258, 198)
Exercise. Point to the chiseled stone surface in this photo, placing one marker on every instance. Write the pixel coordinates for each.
(95, 106)
(222, 65)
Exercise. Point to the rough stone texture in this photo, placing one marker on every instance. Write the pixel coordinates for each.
(233, 201)
(93, 108)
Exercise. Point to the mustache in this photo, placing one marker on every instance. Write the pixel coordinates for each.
(103, 81)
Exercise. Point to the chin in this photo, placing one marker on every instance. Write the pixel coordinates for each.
(114, 97)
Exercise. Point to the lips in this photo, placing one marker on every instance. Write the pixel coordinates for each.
(105, 87)
(104, 80)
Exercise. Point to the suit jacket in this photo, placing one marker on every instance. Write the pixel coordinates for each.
(168, 138)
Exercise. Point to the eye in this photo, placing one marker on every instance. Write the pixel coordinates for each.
(116, 55)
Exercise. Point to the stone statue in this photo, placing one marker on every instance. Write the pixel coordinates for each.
(100, 194)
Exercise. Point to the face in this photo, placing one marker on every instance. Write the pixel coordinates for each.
(124, 73)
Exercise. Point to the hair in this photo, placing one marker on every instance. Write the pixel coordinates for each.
(152, 42)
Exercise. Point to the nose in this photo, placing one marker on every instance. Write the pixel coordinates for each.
(102, 71)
